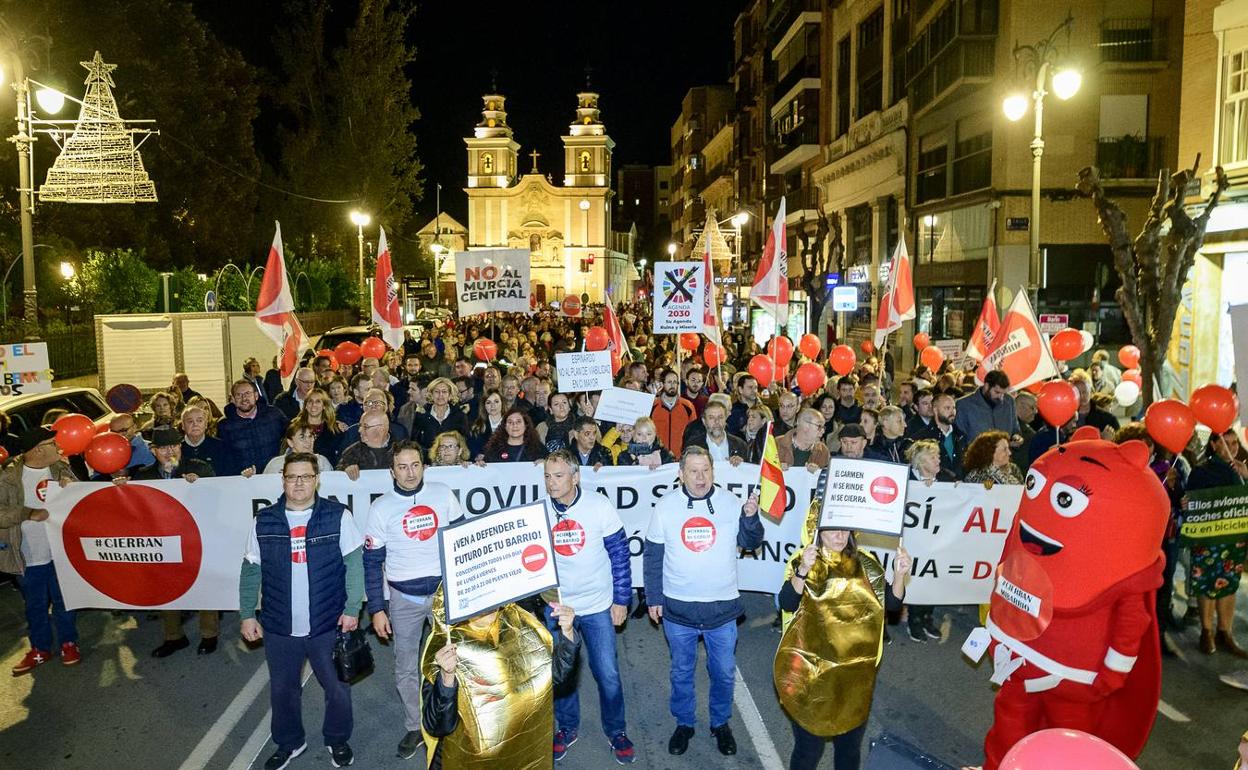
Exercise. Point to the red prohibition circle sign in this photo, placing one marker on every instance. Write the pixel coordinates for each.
(533, 558)
(134, 544)
(420, 523)
(698, 534)
(569, 537)
(883, 490)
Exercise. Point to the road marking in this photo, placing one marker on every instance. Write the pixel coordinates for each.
(1171, 713)
(220, 730)
(260, 736)
(754, 725)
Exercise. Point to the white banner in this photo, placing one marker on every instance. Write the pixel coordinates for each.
(947, 526)
(24, 369)
(489, 561)
(492, 280)
(678, 297)
(581, 372)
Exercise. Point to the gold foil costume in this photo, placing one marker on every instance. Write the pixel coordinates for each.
(505, 701)
(826, 664)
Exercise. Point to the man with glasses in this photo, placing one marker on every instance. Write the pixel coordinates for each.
(804, 444)
(304, 558)
(290, 402)
(252, 432)
(377, 400)
(401, 550)
(374, 450)
(128, 428)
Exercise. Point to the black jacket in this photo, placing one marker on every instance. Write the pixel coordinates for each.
(152, 472)
(736, 445)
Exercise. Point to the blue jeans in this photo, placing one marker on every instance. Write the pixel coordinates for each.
(597, 634)
(721, 647)
(39, 589)
(285, 656)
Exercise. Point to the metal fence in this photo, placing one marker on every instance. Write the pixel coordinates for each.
(71, 353)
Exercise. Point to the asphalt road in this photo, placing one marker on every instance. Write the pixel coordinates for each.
(122, 708)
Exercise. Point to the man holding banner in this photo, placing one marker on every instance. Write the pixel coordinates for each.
(304, 555)
(401, 549)
(691, 586)
(591, 554)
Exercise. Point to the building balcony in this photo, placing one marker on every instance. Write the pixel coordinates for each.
(1134, 40)
(964, 64)
(782, 14)
(806, 69)
(795, 147)
(1130, 157)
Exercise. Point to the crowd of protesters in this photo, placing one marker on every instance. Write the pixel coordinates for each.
(435, 403)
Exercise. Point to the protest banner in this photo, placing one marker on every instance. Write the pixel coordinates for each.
(492, 280)
(582, 372)
(678, 297)
(222, 510)
(24, 369)
(1215, 516)
(623, 405)
(1239, 344)
(489, 561)
(864, 495)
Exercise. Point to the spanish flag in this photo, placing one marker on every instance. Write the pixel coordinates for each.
(771, 492)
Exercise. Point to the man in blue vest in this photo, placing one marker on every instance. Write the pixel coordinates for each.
(305, 554)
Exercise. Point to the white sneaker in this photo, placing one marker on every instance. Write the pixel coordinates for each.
(1237, 679)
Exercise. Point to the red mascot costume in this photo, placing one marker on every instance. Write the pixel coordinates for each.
(1073, 620)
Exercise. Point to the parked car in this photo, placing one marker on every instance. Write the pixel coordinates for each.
(28, 411)
(357, 334)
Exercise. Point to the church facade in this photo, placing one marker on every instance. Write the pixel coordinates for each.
(567, 228)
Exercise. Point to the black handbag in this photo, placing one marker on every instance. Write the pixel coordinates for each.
(353, 657)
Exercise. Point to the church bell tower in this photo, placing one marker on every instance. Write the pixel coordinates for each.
(491, 148)
(587, 148)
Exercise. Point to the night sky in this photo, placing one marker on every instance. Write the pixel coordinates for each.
(644, 55)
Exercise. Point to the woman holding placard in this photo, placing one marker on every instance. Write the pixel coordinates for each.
(833, 603)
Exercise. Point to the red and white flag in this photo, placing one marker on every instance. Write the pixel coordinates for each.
(710, 317)
(386, 312)
(897, 304)
(986, 327)
(1019, 349)
(771, 282)
(615, 335)
(275, 310)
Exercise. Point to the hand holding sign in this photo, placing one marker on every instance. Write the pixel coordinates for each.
(565, 615)
(447, 659)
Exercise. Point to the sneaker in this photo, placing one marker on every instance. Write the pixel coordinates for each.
(33, 659)
(563, 739)
(409, 744)
(915, 632)
(1238, 680)
(340, 756)
(70, 654)
(931, 630)
(622, 748)
(282, 757)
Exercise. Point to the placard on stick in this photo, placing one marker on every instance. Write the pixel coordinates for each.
(583, 372)
(864, 495)
(496, 559)
(678, 297)
(623, 406)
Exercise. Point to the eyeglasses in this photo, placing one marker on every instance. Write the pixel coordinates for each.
(376, 402)
(301, 479)
(373, 427)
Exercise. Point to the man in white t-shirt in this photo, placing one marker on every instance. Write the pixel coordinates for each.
(691, 585)
(596, 581)
(401, 550)
(304, 554)
(23, 492)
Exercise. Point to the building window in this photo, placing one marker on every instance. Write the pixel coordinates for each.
(933, 169)
(1235, 109)
(584, 162)
(842, 86)
(487, 163)
(871, 63)
(972, 163)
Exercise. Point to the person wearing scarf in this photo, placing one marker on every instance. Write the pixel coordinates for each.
(833, 598)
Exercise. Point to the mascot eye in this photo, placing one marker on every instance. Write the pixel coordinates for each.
(1067, 500)
(1034, 484)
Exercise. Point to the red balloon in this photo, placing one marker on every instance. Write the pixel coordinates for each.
(596, 338)
(811, 377)
(1170, 423)
(102, 428)
(348, 352)
(760, 367)
(1058, 401)
(1133, 375)
(485, 349)
(867, 347)
(1059, 747)
(373, 347)
(616, 362)
(712, 355)
(4, 455)
(73, 433)
(922, 341)
(1066, 344)
(780, 350)
(810, 346)
(1129, 356)
(932, 357)
(689, 341)
(842, 359)
(329, 355)
(108, 452)
(1215, 406)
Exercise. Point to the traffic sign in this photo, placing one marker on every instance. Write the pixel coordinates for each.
(210, 301)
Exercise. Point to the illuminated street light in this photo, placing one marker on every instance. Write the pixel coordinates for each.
(50, 100)
(361, 220)
(67, 270)
(740, 218)
(1015, 107)
(671, 249)
(1066, 83)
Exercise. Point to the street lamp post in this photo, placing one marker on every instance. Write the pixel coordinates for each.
(1045, 58)
(738, 221)
(439, 256)
(360, 220)
(587, 266)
